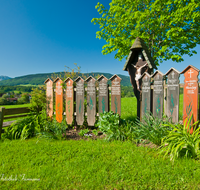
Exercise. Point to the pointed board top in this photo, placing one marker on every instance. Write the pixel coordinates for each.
(57, 79)
(145, 74)
(172, 69)
(79, 78)
(90, 78)
(48, 80)
(114, 76)
(67, 79)
(157, 71)
(102, 77)
(188, 67)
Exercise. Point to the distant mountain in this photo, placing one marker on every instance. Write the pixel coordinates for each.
(39, 79)
(4, 78)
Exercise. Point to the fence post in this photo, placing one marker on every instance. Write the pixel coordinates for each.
(1, 119)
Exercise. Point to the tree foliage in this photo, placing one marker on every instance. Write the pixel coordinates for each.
(170, 28)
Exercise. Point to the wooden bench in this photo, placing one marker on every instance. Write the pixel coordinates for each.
(11, 113)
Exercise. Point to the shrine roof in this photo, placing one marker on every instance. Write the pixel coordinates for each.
(139, 46)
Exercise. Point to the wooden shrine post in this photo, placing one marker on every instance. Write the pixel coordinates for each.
(69, 100)
(173, 94)
(146, 94)
(103, 94)
(190, 94)
(116, 94)
(91, 101)
(158, 92)
(49, 97)
(80, 92)
(59, 100)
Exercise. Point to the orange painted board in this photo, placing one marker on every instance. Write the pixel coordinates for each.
(49, 97)
(190, 94)
(59, 100)
(69, 101)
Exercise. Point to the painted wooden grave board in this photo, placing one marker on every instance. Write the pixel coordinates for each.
(116, 94)
(59, 100)
(80, 100)
(190, 94)
(49, 97)
(146, 93)
(158, 92)
(69, 100)
(173, 94)
(103, 94)
(91, 101)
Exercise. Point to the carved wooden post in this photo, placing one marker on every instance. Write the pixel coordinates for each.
(158, 94)
(173, 94)
(116, 94)
(146, 94)
(103, 94)
(80, 92)
(59, 100)
(91, 101)
(69, 100)
(49, 97)
(190, 94)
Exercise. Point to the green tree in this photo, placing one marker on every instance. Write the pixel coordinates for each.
(170, 28)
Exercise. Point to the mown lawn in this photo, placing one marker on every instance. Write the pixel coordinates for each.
(98, 164)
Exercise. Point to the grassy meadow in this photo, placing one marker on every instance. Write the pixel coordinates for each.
(40, 163)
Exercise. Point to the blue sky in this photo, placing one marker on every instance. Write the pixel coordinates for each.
(42, 36)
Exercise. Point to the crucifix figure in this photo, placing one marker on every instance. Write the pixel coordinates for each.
(138, 73)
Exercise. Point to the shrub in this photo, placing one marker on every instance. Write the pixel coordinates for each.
(180, 143)
(152, 129)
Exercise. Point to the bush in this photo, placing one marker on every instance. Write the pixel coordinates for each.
(180, 143)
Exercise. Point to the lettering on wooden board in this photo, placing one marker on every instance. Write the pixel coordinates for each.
(91, 101)
(103, 94)
(80, 92)
(190, 94)
(158, 92)
(146, 93)
(173, 94)
(49, 97)
(116, 94)
(69, 100)
(59, 100)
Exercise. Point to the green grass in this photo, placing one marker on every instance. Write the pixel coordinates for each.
(129, 108)
(16, 106)
(91, 165)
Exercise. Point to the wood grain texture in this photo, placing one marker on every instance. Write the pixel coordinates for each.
(59, 100)
(49, 97)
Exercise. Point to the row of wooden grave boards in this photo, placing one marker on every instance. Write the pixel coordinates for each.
(190, 94)
(103, 98)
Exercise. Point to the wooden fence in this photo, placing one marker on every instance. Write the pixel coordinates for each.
(159, 90)
(11, 113)
(71, 101)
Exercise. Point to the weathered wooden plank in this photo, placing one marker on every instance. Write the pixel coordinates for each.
(49, 97)
(173, 94)
(13, 111)
(146, 94)
(80, 92)
(158, 94)
(15, 116)
(69, 101)
(103, 94)
(59, 100)
(91, 101)
(190, 94)
(116, 94)
(1, 119)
